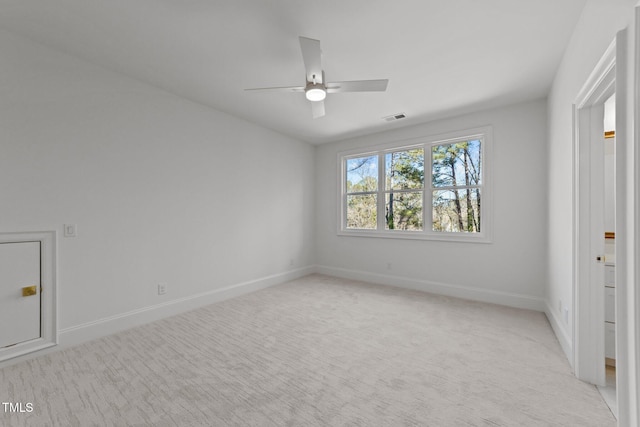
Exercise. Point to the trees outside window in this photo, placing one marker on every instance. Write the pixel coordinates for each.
(404, 185)
(386, 193)
(456, 186)
(362, 192)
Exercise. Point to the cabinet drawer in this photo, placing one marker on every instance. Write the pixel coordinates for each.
(610, 340)
(610, 305)
(609, 275)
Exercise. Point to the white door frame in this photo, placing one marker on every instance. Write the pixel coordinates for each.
(624, 54)
(628, 225)
(588, 208)
(48, 315)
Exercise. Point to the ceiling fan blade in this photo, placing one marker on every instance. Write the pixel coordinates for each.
(358, 86)
(279, 89)
(311, 55)
(317, 109)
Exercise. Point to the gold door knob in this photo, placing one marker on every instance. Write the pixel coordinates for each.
(27, 291)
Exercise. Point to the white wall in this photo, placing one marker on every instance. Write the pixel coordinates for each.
(161, 189)
(595, 31)
(511, 270)
(597, 28)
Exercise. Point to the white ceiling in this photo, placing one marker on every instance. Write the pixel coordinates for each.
(442, 57)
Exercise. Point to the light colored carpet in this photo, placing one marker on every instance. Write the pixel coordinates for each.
(318, 351)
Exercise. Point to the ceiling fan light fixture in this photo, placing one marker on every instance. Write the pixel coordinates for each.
(316, 86)
(315, 92)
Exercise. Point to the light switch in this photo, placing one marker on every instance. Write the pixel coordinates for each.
(70, 230)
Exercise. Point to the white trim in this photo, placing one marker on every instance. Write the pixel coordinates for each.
(563, 336)
(108, 325)
(444, 138)
(627, 230)
(485, 236)
(623, 376)
(588, 306)
(416, 235)
(633, 399)
(457, 291)
(48, 302)
(101, 327)
(596, 87)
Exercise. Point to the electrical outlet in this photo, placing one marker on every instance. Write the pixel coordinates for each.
(162, 288)
(291, 262)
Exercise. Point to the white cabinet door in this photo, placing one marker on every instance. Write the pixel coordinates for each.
(610, 276)
(610, 305)
(19, 312)
(609, 340)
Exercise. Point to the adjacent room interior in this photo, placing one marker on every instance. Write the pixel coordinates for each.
(244, 213)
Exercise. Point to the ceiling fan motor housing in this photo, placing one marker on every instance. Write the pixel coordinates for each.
(315, 91)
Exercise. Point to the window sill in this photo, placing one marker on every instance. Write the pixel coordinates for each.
(418, 235)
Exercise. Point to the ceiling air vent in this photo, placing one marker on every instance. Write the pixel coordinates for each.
(394, 117)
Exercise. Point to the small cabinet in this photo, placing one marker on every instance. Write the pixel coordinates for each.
(610, 276)
(610, 341)
(610, 314)
(610, 305)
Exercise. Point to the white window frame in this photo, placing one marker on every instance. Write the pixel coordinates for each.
(485, 134)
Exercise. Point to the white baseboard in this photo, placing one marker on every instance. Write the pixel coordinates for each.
(91, 330)
(112, 324)
(465, 292)
(74, 335)
(561, 333)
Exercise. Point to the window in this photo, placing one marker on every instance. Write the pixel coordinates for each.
(404, 188)
(362, 192)
(385, 192)
(457, 186)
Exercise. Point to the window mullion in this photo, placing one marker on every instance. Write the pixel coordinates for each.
(427, 197)
(381, 191)
(361, 193)
(344, 194)
(458, 187)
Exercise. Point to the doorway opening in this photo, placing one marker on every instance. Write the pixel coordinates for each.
(594, 199)
(608, 391)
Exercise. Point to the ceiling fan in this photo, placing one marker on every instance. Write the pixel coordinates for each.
(316, 88)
